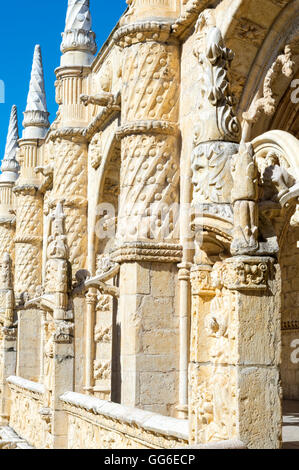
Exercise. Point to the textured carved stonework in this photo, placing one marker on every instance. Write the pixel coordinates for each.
(250, 32)
(267, 105)
(7, 297)
(63, 332)
(244, 199)
(95, 150)
(102, 334)
(28, 240)
(149, 232)
(102, 370)
(151, 67)
(213, 403)
(201, 280)
(77, 34)
(245, 273)
(25, 418)
(149, 178)
(211, 168)
(216, 117)
(70, 185)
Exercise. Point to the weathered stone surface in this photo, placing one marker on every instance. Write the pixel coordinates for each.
(152, 229)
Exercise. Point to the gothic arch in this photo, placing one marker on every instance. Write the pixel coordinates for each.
(262, 74)
(108, 179)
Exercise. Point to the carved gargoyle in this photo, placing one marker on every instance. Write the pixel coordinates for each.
(101, 99)
(48, 173)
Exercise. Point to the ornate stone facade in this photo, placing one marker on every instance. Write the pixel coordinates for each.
(148, 237)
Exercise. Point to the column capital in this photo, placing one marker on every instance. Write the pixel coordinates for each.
(244, 273)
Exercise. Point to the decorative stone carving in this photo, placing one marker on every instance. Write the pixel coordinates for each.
(10, 167)
(245, 272)
(211, 168)
(57, 269)
(77, 35)
(283, 64)
(102, 370)
(6, 294)
(36, 114)
(244, 200)
(216, 117)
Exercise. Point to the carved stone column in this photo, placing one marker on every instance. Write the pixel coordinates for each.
(8, 336)
(28, 240)
(148, 195)
(91, 301)
(236, 352)
(28, 276)
(59, 344)
(70, 186)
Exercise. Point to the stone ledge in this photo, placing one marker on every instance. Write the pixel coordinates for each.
(26, 384)
(10, 440)
(151, 422)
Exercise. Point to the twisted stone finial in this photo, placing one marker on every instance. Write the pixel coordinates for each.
(36, 114)
(78, 35)
(10, 167)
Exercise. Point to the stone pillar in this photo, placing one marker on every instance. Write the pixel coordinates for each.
(148, 193)
(235, 388)
(28, 259)
(7, 222)
(29, 227)
(8, 336)
(70, 186)
(59, 347)
(90, 322)
(184, 280)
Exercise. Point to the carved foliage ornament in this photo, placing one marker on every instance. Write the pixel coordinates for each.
(244, 273)
(217, 118)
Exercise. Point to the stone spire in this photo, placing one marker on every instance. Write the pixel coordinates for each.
(10, 166)
(78, 40)
(36, 116)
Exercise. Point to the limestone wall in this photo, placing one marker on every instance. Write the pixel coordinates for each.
(26, 404)
(98, 424)
(290, 314)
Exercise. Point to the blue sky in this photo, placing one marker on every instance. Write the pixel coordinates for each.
(30, 22)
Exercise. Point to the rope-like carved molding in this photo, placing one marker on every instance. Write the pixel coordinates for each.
(84, 134)
(142, 32)
(188, 19)
(149, 252)
(148, 127)
(290, 325)
(32, 240)
(77, 133)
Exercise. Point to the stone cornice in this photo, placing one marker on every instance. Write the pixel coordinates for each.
(148, 127)
(149, 252)
(142, 32)
(26, 189)
(85, 134)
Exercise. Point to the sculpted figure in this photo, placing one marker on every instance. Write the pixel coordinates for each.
(276, 180)
(244, 199)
